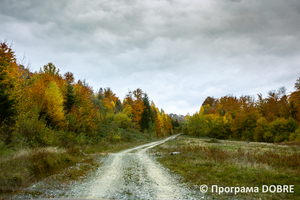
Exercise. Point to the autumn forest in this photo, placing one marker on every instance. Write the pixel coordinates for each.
(275, 118)
(46, 108)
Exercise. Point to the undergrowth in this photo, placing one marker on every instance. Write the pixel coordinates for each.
(24, 167)
(234, 165)
(20, 168)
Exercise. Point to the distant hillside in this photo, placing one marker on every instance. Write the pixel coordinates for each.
(180, 118)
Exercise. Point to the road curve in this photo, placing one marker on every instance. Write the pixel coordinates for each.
(131, 174)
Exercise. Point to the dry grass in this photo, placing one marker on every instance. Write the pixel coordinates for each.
(23, 153)
(276, 159)
(234, 163)
(20, 169)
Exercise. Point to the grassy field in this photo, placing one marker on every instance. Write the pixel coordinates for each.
(233, 164)
(23, 167)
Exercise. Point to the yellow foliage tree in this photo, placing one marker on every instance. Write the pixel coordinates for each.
(159, 124)
(128, 110)
(53, 103)
(109, 101)
(167, 123)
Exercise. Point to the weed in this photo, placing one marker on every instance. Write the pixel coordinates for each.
(233, 164)
(19, 169)
(212, 140)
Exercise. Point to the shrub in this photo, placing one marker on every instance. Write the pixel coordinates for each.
(282, 128)
(197, 125)
(5, 135)
(268, 136)
(114, 135)
(29, 128)
(65, 138)
(123, 121)
(295, 136)
(218, 126)
(279, 138)
(261, 128)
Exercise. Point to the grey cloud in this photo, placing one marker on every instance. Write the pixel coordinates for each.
(178, 51)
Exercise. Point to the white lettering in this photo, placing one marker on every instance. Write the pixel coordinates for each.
(274, 188)
(243, 190)
(231, 189)
(249, 189)
(285, 188)
(291, 188)
(265, 188)
(236, 190)
(221, 190)
(214, 186)
(279, 188)
(227, 189)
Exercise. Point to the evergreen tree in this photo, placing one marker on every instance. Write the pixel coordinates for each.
(8, 79)
(6, 104)
(147, 114)
(118, 107)
(175, 123)
(69, 98)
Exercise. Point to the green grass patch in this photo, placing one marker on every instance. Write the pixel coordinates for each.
(233, 164)
(21, 168)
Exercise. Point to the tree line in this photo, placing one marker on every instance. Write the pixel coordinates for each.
(275, 118)
(47, 108)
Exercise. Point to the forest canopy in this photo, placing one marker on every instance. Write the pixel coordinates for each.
(47, 108)
(275, 118)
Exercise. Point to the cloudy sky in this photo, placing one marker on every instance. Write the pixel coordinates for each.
(177, 51)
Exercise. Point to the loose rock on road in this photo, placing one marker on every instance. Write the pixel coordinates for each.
(132, 174)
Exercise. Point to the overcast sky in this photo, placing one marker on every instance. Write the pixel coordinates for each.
(177, 51)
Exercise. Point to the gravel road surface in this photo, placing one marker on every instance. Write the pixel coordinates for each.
(132, 174)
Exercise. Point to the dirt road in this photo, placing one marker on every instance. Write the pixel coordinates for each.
(131, 174)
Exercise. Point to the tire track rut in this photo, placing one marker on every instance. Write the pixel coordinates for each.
(132, 174)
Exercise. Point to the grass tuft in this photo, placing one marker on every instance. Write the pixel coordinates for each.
(233, 164)
(213, 140)
(21, 168)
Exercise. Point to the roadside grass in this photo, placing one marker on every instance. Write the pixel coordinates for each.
(233, 164)
(23, 167)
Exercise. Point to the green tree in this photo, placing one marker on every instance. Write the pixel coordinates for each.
(118, 107)
(50, 69)
(147, 116)
(282, 128)
(197, 125)
(8, 81)
(70, 98)
(260, 130)
(295, 136)
(123, 121)
(218, 126)
(175, 123)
